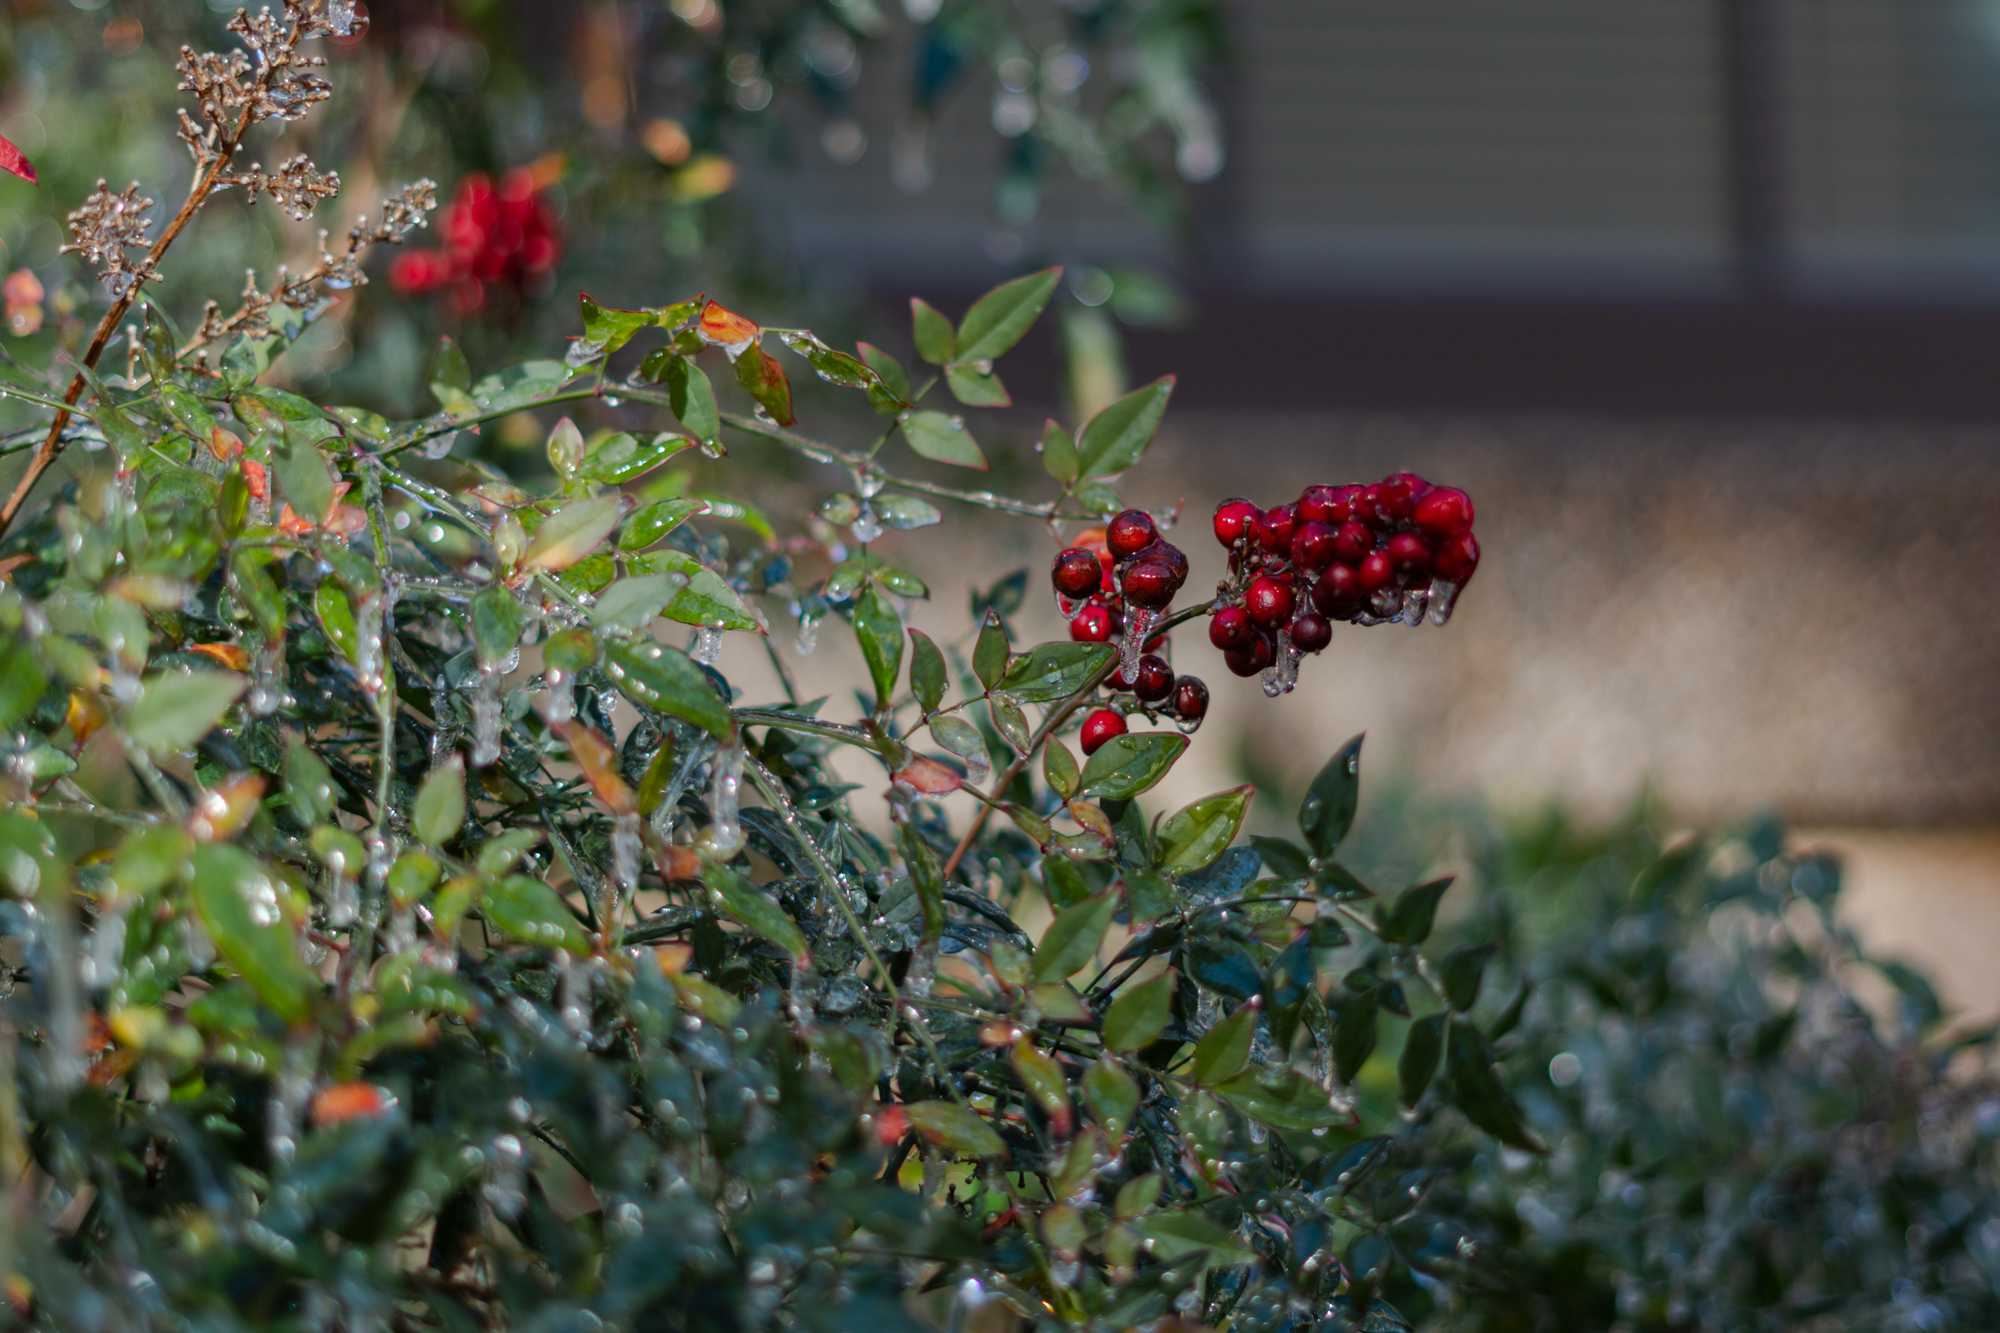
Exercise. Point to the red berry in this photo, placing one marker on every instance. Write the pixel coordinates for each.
(1274, 529)
(1190, 699)
(1444, 511)
(1241, 662)
(1092, 624)
(1156, 678)
(1230, 628)
(1233, 518)
(1100, 727)
(1399, 493)
(1313, 546)
(1269, 601)
(1353, 541)
(1375, 571)
(1169, 555)
(1337, 592)
(1130, 533)
(1149, 583)
(1310, 633)
(1322, 504)
(1076, 573)
(1409, 553)
(1457, 557)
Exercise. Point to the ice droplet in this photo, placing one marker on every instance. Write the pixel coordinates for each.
(707, 647)
(583, 352)
(866, 527)
(809, 621)
(1139, 622)
(1283, 674)
(625, 854)
(486, 719)
(1444, 595)
(268, 693)
(558, 700)
(368, 643)
(725, 833)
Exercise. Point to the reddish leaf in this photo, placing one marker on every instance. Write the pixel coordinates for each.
(929, 776)
(759, 372)
(726, 328)
(15, 161)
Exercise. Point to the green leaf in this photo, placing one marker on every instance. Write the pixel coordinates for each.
(1126, 765)
(1116, 438)
(707, 601)
(1408, 920)
(665, 679)
(880, 631)
(1178, 1236)
(1224, 1050)
(238, 903)
(975, 388)
(830, 363)
(305, 480)
(932, 331)
(956, 1128)
(1354, 1032)
(1282, 1098)
(440, 809)
(572, 532)
(1111, 1094)
(250, 575)
(1422, 1047)
(631, 604)
(608, 328)
(309, 786)
(894, 392)
(989, 654)
(1051, 671)
(1072, 939)
(1059, 454)
(654, 521)
(1460, 973)
(1003, 316)
(927, 671)
(1328, 809)
(691, 398)
(1476, 1088)
(1043, 1079)
(926, 877)
(1202, 830)
(764, 380)
(1140, 1013)
(529, 911)
(959, 736)
(740, 901)
(904, 512)
(619, 458)
(1009, 721)
(176, 709)
(496, 626)
(22, 680)
(942, 438)
(451, 378)
(1059, 769)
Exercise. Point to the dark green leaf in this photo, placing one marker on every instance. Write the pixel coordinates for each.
(942, 438)
(1059, 769)
(238, 902)
(957, 1128)
(880, 631)
(1460, 973)
(175, 709)
(1072, 939)
(1476, 1088)
(525, 909)
(1408, 920)
(1202, 830)
(1000, 318)
(691, 398)
(1224, 1050)
(740, 901)
(989, 654)
(1117, 436)
(1051, 671)
(1140, 1013)
(1328, 809)
(1282, 1098)
(1127, 765)
(662, 678)
(927, 671)
(975, 388)
(1422, 1047)
(932, 332)
(1354, 1032)
(440, 808)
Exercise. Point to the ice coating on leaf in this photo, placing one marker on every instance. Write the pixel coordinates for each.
(625, 849)
(866, 526)
(725, 833)
(486, 719)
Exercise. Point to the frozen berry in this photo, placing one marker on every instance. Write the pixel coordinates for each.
(1375, 571)
(1457, 557)
(1338, 591)
(1269, 601)
(1353, 541)
(1274, 529)
(1156, 678)
(1149, 583)
(1230, 627)
(1310, 633)
(1368, 507)
(1233, 518)
(1409, 554)
(1190, 699)
(1313, 546)
(1130, 533)
(1400, 492)
(1076, 573)
(1093, 624)
(1098, 728)
(1169, 555)
(1253, 657)
(1321, 504)
(1443, 511)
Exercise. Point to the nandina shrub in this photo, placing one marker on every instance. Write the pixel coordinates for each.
(406, 930)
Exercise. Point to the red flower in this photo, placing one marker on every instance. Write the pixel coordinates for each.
(500, 235)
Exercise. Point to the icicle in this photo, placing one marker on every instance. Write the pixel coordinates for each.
(1414, 601)
(558, 700)
(808, 631)
(285, 1111)
(486, 719)
(921, 974)
(1282, 675)
(1444, 595)
(625, 850)
(725, 833)
(707, 649)
(1071, 609)
(368, 630)
(506, 1179)
(65, 995)
(343, 899)
(402, 933)
(106, 954)
(1139, 622)
(572, 993)
(267, 695)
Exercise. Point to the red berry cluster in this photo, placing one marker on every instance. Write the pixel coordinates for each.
(1114, 584)
(1371, 555)
(501, 236)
